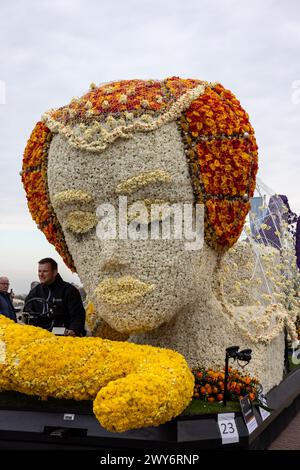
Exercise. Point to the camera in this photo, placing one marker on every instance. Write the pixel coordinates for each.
(244, 355)
(44, 318)
(232, 351)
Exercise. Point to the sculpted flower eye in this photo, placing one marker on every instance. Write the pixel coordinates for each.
(81, 222)
(71, 195)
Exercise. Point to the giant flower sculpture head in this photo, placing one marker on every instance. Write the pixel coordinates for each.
(175, 141)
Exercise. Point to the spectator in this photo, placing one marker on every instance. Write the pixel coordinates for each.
(6, 306)
(62, 296)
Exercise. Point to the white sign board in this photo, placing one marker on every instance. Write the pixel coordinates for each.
(228, 429)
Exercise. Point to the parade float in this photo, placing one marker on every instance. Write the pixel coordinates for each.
(161, 307)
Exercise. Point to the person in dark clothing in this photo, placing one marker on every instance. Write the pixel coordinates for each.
(53, 293)
(6, 306)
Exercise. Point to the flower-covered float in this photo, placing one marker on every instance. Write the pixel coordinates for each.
(175, 141)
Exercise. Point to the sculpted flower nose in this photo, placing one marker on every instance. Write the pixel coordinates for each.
(113, 265)
(113, 257)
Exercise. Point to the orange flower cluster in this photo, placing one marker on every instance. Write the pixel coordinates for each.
(178, 86)
(209, 385)
(225, 166)
(222, 153)
(114, 98)
(227, 219)
(34, 178)
(126, 96)
(217, 112)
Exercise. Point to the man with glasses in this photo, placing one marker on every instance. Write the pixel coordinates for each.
(6, 306)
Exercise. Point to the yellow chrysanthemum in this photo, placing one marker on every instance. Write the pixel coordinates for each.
(132, 386)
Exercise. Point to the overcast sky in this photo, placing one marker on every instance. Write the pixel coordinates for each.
(52, 50)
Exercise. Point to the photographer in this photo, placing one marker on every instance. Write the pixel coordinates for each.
(61, 297)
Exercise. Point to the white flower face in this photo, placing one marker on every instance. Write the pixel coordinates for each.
(136, 285)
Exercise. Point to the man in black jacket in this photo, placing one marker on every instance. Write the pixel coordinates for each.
(59, 296)
(6, 305)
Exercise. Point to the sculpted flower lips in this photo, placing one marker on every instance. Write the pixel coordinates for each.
(123, 290)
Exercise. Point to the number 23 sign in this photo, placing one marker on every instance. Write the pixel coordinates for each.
(227, 427)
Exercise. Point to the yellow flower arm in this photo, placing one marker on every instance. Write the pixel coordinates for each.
(133, 386)
(146, 398)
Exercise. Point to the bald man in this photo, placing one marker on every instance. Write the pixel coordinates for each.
(6, 306)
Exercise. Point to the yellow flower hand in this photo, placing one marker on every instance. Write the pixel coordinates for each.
(133, 386)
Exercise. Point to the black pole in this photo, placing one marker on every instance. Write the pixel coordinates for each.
(226, 379)
(286, 352)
